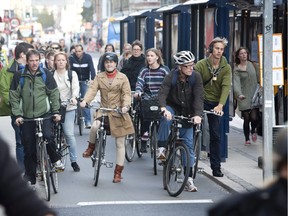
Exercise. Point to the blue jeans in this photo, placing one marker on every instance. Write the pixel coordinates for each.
(185, 133)
(86, 111)
(19, 146)
(214, 131)
(68, 128)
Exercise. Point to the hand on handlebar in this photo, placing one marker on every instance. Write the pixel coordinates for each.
(196, 119)
(167, 114)
(124, 110)
(83, 104)
(19, 121)
(73, 101)
(56, 117)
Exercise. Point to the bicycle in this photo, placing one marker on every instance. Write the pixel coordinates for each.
(45, 169)
(98, 156)
(79, 117)
(177, 165)
(130, 140)
(198, 141)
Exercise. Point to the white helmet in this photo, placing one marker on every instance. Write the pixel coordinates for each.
(183, 57)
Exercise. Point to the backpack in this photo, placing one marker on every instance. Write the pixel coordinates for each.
(44, 76)
(191, 78)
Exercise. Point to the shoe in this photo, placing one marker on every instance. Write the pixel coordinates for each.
(217, 173)
(145, 136)
(143, 148)
(247, 142)
(59, 166)
(89, 151)
(75, 167)
(87, 125)
(32, 186)
(190, 185)
(254, 137)
(161, 153)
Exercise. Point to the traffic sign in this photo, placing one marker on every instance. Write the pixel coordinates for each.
(14, 22)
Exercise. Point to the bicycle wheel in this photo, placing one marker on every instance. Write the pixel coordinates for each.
(45, 169)
(98, 158)
(153, 146)
(196, 149)
(63, 148)
(53, 177)
(177, 169)
(80, 120)
(130, 147)
(137, 128)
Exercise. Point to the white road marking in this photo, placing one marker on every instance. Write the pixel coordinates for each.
(144, 202)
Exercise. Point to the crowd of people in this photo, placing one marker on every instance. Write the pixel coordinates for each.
(186, 90)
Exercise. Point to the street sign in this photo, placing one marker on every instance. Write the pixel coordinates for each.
(14, 22)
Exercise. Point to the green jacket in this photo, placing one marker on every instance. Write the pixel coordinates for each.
(36, 97)
(215, 90)
(6, 76)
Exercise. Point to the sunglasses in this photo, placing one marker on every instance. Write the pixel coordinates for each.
(55, 47)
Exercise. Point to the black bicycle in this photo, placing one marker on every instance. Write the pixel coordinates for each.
(177, 165)
(98, 157)
(80, 117)
(199, 140)
(45, 170)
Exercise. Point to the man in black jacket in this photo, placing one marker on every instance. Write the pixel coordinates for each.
(82, 64)
(15, 195)
(268, 201)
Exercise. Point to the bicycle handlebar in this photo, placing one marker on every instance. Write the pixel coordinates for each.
(211, 112)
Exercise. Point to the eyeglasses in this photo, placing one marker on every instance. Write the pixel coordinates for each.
(55, 47)
(136, 49)
(188, 66)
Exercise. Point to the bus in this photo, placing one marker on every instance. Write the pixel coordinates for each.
(110, 32)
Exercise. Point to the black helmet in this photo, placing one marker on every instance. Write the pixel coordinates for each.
(110, 56)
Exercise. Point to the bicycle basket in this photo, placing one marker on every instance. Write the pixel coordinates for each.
(150, 109)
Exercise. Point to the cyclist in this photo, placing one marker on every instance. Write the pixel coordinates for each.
(216, 75)
(148, 83)
(115, 92)
(184, 97)
(32, 97)
(82, 64)
(68, 90)
(131, 68)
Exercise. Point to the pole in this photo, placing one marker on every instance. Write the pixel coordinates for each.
(268, 88)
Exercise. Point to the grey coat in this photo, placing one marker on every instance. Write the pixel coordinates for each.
(245, 83)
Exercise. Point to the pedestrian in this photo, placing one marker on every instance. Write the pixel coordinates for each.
(69, 90)
(55, 46)
(6, 76)
(64, 48)
(82, 64)
(181, 93)
(135, 63)
(16, 196)
(115, 92)
(127, 53)
(271, 200)
(100, 66)
(246, 78)
(39, 98)
(49, 60)
(217, 77)
(148, 84)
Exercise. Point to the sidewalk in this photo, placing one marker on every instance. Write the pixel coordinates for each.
(241, 171)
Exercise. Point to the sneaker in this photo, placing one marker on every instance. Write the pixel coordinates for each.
(75, 167)
(247, 142)
(87, 125)
(161, 153)
(59, 166)
(190, 185)
(145, 136)
(254, 137)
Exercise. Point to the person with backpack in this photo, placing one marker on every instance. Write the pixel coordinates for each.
(34, 94)
(6, 76)
(68, 85)
(181, 93)
(217, 78)
(148, 84)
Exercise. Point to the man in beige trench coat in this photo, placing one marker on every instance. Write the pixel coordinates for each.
(115, 92)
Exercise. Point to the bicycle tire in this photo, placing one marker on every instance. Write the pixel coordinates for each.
(153, 144)
(45, 169)
(177, 169)
(80, 120)
(196, 149)
(98, 158)
(63, 149)
(53, 177)
(130, 147)
(137, 128)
